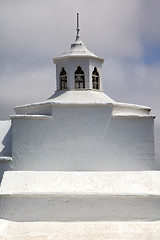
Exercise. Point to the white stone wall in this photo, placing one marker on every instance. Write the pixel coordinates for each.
(83, 138)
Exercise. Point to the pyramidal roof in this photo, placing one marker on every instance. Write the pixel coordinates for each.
(79, 48)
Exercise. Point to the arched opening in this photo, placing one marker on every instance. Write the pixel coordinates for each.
(79, 78)
(95, 79)
(63, 79)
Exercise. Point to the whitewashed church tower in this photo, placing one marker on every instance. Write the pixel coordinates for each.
(81, 164)
(79, 68)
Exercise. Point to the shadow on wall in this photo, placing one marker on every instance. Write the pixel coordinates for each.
(57, 94)
(6, 151)
(5, 148)
(157, 145)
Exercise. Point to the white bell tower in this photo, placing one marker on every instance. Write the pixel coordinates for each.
(80, 165)
(79, 69)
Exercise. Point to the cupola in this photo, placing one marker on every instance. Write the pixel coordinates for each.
(79, 69)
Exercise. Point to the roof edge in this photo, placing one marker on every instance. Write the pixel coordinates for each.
(116, 104)
(55, 60)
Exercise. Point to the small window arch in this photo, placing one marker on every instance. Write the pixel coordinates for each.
(63, 79)
(95, 79)
(79, 78)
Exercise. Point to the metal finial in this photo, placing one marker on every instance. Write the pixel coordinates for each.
(78, 29)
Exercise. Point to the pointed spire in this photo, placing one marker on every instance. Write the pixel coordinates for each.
(78, 47)
(78, 39)
(78, 29)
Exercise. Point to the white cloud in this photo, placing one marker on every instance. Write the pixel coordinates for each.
(111, 27)
(133, 82)
(27, 87)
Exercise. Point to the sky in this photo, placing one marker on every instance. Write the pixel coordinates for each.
(125, 33)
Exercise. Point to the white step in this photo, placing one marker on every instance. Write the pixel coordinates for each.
(79, 230)
(113, 183)
(80, 196)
